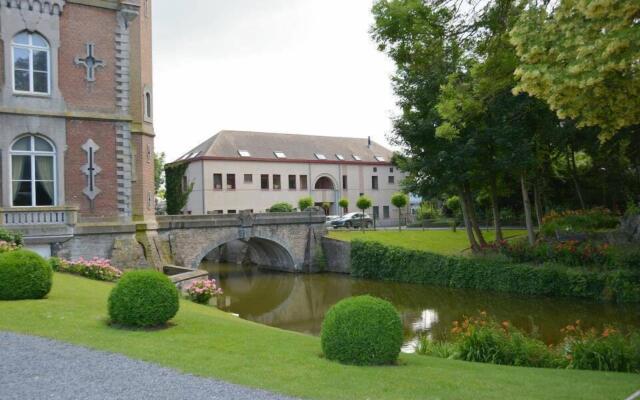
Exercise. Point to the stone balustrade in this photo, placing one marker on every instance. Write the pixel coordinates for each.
(22, 217)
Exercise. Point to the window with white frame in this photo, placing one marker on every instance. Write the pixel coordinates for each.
(33, 172)
(31, 63)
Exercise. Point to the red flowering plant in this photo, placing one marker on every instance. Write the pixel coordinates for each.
(95, 268)
(571, 252)
(202, 290)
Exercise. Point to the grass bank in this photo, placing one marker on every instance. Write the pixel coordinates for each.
(444, 242)
(208, 342)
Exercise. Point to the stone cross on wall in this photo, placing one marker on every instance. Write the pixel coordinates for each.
(90, 169)
(90, 63)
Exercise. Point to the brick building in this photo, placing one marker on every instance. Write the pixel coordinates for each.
(76, 124)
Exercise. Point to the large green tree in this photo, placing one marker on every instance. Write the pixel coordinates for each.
(581, 57)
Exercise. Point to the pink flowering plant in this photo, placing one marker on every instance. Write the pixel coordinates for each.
(202, 290)
(95, 268)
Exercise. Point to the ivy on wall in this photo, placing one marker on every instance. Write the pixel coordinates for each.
(176, 195)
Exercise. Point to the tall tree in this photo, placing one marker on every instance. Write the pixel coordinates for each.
(581, 57)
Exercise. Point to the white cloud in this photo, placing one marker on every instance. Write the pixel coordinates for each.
(298, 66)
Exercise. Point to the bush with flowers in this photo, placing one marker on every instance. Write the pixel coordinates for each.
(202, 290)
(95, 268)
(579, 221)
(482, 339)
(571, 253)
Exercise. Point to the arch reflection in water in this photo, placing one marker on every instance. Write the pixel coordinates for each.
(299, 302)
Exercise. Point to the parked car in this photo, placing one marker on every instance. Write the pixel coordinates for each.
(330, 218)
(353, 220)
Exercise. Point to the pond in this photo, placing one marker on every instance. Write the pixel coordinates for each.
(298, 302)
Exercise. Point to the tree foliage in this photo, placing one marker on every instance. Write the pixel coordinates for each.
(177, 195)
(158, 172)
(305, 202)
(581, 57)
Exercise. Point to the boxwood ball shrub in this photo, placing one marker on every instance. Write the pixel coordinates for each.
(143, 299)
(362, 330)
(24, 275)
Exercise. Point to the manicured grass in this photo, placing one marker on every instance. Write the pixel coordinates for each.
(208, 342)
(444, 242)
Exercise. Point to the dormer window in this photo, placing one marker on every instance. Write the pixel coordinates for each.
(340, 157)
(356, 157)
(30, 63)
(244, 153)
(380, 158)
(279, 154)
(320, 156)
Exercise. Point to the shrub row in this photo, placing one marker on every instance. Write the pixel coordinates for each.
(481, 339)
(378, 261)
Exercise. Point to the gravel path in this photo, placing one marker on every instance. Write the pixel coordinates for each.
(35, 368)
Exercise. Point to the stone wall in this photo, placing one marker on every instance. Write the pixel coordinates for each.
(631, 227)
(337, 254)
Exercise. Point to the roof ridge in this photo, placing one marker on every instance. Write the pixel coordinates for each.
(297, 134)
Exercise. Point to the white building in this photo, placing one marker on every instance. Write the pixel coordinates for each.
(235, 171)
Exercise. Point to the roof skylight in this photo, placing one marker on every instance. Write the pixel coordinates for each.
(320, 156)
(356, 157)
(244, 153)
(279, 154)
(340, 157)
(380, 158)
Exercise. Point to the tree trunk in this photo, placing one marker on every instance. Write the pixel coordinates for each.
(537, 199)
(573, 171)
(473, 218)
(467, 222)
(495, 209)
(527, 209)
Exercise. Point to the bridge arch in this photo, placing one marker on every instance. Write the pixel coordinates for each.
(269, 252)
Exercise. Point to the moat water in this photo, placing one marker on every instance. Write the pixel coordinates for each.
(298, 302)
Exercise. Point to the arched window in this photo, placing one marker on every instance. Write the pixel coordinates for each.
(33, 172)
(148, 106)
(31, 63)
(324, 183)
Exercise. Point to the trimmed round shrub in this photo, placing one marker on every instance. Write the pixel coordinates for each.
(24, 275)
(362, 330)
(143, 299)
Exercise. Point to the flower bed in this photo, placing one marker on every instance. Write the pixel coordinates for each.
(96, 268)
(481, 339)
(579, 221)
(202, 290)
(571, 253)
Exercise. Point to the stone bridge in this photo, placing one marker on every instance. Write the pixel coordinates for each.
(283, 241)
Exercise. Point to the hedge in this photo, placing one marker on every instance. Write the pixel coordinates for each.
(378, 261)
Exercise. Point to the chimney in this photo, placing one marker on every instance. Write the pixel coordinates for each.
(369, 142)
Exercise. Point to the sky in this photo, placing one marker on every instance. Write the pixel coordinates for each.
(290, 66)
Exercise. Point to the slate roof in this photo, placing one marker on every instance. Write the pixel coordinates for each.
(263, 145)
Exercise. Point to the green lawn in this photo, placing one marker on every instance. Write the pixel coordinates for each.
(444, 242)
(208, 342)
